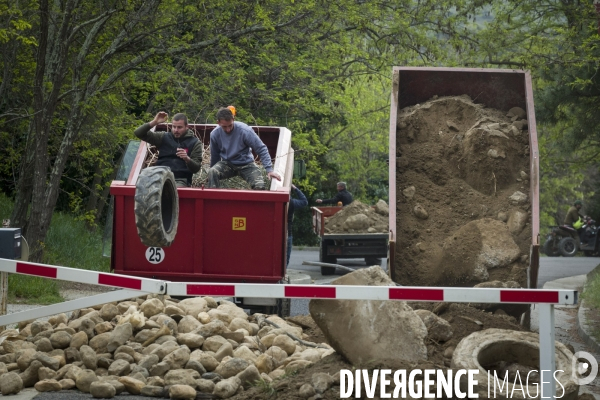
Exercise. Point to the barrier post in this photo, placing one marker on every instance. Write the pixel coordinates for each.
(547, 351)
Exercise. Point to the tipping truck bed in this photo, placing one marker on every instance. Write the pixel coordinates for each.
(370, 246)
(463, 159)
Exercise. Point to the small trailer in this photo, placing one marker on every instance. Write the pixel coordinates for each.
(370, 246)
(222, 235)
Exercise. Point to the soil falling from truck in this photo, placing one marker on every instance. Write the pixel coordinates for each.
(463, 194)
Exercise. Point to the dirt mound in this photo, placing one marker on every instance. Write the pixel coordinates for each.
(463, 319)
(358, 217)
(460, 165)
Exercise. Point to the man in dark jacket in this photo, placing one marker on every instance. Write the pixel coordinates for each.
(179, 150)
(573, 214)
(342, 195)
(295, 204)
(574, 218)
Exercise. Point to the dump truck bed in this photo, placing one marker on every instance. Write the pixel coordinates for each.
(496, 89)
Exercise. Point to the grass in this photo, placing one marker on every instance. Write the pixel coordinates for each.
(592, 291)
(592, 299)
(68, 243)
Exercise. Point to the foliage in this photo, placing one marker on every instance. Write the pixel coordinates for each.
(558, 42)
(93, 70)
(561, 181)
(592, 291)
(69, 243)
(358, 140)
(79, 76)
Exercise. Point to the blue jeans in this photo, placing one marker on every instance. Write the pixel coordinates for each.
(289, 250)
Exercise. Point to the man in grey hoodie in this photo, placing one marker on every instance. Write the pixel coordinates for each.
(231, 145)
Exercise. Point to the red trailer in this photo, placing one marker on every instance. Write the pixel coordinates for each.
(370, 246)
(223, 235)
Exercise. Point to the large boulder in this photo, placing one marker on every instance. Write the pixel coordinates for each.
(371, 332)
(472, 250)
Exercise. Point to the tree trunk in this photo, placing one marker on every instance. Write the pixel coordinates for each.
(93, 199)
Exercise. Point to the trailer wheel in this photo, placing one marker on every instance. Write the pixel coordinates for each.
(549, 250)
(282, 308)
(567, 247)
(326, 259)
(156, 207)
(370, 261)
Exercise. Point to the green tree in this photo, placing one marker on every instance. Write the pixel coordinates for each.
(117, 62)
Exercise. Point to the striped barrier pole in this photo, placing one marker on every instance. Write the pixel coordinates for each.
(134, 286)
(131, 287)
(546, 299)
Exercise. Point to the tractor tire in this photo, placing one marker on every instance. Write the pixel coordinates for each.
(156, 207)
(326, 259)
(549, 249)
(567, 247)
(484, 349)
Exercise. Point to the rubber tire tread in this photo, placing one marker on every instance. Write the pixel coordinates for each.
(547, 249)
(325, 259)
(370, 261)
(561, 247)
(151, 184)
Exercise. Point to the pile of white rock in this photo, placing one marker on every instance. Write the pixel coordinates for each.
(154, 346)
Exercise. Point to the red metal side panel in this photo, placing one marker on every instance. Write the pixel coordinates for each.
(223, 235)
(239, 238)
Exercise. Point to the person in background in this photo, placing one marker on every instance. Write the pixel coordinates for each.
(295, 204)
(342, 195)
(179, 149)
(573, 214)
(231, 145)
(574, 218)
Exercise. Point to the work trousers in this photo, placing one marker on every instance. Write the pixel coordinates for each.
(224, 169)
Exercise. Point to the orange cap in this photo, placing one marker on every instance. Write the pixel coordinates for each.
(232, 108)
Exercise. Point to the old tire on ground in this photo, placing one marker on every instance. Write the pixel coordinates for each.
(156, 207)
(549, 250)
(483, 351)
(326, 259)
(567, 247)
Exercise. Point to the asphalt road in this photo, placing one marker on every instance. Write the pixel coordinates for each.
(552, 268)
(299, 306)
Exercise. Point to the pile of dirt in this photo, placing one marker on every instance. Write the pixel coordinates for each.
(463, 194)
(358, 217)
(464, 320)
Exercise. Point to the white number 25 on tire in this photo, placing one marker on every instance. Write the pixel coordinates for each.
(155, 255)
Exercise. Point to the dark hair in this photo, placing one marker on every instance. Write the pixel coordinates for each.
(578, 203)
(224, 114)
(342, 184)
(179, 117)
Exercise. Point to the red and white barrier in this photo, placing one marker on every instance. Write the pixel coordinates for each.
(134, 286)
(83, 276)
(405, 293)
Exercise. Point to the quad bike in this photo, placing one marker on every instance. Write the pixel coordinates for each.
(563, 240)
